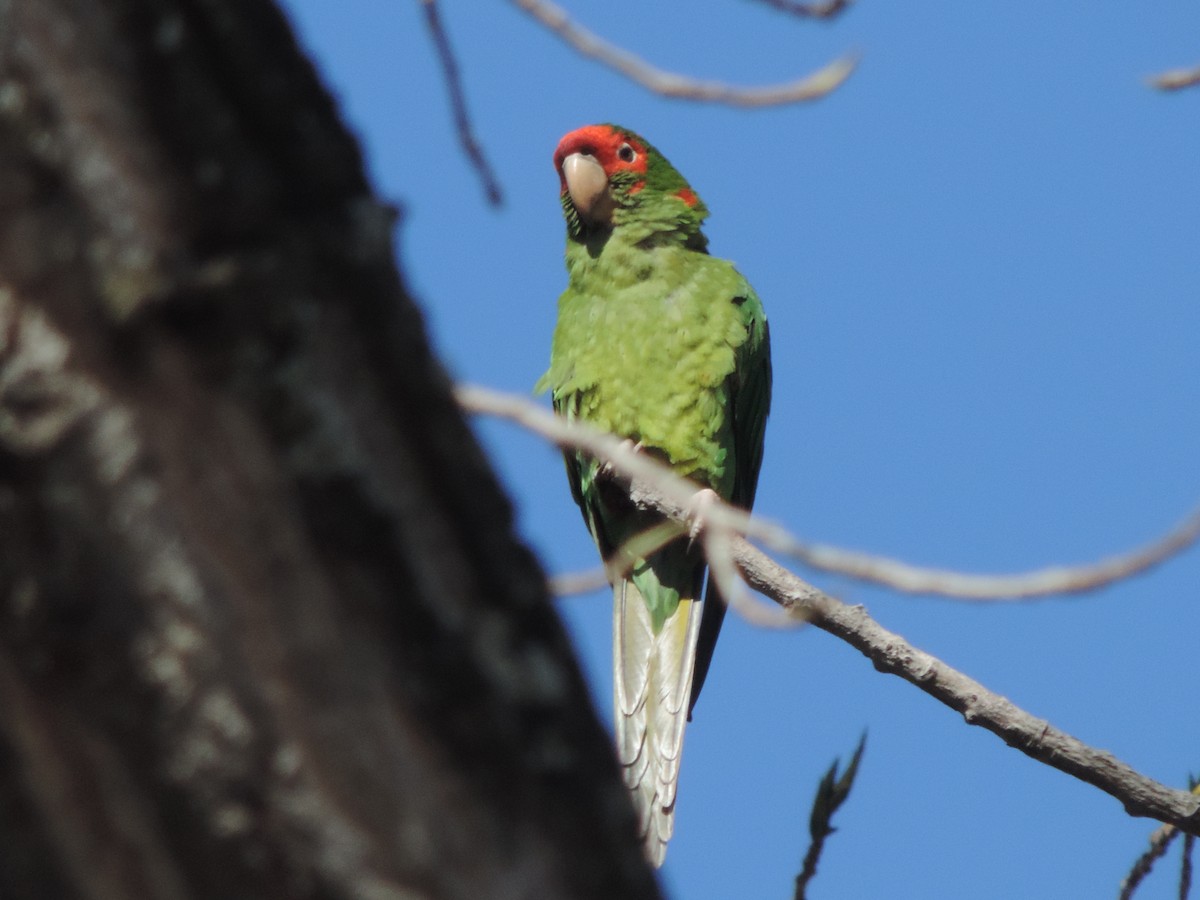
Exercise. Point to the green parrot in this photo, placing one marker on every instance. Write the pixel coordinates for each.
(661, 344)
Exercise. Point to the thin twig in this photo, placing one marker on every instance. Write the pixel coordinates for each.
(619, 562)
(569, 584)
(1175, 79)
(832, 792)
(669, 84)
(824, 10)
(891, 573)
(718, 550)
(458, 104)
(729, 584)
(1185, 867)
(1052, 580)
(1160, 841)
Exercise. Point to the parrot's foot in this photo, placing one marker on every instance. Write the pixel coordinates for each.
(697, 509)
(606, 468)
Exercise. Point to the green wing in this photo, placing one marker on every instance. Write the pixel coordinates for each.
(749, 402)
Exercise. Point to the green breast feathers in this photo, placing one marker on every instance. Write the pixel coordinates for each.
(647, 347)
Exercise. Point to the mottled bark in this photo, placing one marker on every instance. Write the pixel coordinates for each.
(265, 629)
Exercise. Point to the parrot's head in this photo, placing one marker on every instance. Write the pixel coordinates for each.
(610, 177)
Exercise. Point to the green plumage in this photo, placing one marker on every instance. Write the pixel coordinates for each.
(648, 347)
(660, 343)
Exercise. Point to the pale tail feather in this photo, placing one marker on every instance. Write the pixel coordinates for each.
(652, 679)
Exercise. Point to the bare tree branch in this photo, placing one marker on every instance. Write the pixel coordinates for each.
(458, 104)
(715, 540)
(1160, 842)
(1175, 79)
(659, 489)
(812, 87)
(570, 583)
(1038, 583)
(1036, 738)
(895, 574)
(825, 10)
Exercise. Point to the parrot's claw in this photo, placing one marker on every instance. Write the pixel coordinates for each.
(607, 469)
(697, 509)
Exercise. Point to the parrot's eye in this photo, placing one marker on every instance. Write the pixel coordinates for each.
(626, 153)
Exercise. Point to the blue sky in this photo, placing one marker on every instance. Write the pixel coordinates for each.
(979, 259)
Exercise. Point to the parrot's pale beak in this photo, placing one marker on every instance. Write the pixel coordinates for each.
(588, 187)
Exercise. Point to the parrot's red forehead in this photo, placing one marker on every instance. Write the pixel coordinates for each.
(604, 143)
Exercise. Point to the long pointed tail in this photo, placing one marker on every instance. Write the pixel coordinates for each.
(652, 677)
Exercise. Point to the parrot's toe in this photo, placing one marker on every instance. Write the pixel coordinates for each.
(606, 468)
(698, 508)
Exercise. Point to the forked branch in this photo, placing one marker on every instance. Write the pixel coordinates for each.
(890, 573)
(661, 490)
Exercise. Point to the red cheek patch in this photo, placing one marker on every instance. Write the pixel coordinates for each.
(687, 196)
(637, 186)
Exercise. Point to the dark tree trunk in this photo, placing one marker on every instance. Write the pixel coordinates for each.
(265, 629)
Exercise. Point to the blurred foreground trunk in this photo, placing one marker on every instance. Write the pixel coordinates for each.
(265, 629)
